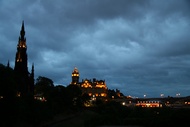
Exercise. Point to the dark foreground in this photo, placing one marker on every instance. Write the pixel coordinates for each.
(124, 117)
(112, 114)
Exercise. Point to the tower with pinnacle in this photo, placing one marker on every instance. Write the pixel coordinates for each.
(75, 76)
(25, 80)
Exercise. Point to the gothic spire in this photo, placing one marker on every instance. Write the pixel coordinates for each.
(21, 55)
(22, 32)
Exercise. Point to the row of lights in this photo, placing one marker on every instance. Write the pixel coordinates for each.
(162, 95)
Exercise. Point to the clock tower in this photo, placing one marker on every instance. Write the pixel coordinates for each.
(75, 76)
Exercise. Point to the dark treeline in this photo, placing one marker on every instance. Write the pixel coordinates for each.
(27, 111)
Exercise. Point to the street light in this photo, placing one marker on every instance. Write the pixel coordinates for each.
(161, 95)
(177, 94)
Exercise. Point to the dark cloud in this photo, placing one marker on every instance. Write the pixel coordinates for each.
(140, 47)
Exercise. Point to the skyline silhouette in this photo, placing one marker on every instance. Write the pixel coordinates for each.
(138, 47)
(52, 105)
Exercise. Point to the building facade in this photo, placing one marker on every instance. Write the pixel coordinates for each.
(94, 88)
(25, 80)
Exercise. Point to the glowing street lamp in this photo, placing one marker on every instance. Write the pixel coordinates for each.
(161, 95)
(177, 94)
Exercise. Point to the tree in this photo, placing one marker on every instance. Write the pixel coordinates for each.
(8, 91)
(59, 98)
(85, 98)
(44, 86)
(7, 82)
(73, 95)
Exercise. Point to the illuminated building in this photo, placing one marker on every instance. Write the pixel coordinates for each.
(25, 80)
(40, 97)
(94, 88)
(150, 103)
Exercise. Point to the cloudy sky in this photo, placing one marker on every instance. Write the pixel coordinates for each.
(141, 47)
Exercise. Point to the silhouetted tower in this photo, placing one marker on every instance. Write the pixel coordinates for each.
(21, 68)
(75, 76)
(21, 55)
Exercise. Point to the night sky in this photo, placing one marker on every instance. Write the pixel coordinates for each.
(141, 47)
